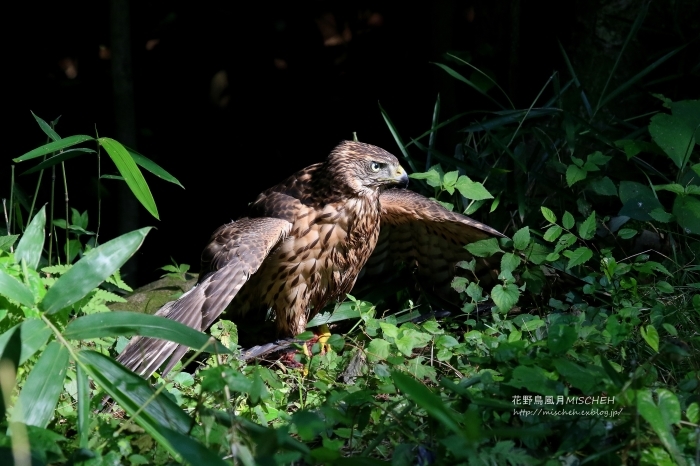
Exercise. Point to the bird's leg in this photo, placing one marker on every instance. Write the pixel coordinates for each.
(324, 333)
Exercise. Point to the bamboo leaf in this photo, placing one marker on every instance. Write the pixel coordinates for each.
(94, 268)
(131, 173)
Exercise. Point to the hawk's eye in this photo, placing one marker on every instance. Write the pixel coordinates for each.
(375, 166)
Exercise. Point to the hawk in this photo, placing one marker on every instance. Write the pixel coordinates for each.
(306, 240)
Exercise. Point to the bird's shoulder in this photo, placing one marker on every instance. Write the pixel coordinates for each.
(287, 198)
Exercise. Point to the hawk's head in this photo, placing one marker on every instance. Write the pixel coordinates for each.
(365, 168)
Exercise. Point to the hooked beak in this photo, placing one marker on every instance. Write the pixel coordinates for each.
(400, 177)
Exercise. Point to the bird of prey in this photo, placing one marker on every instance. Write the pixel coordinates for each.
(306, 240)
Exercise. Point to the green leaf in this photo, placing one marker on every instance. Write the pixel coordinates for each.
(124, 323)
(134, 394)
(567, 220)
(46, 128)
(638, 200)
(484, 248)
(693, 413)
(449, 180)
(661, 216)
(83, 411)
(509, 262)
(412, 339)
(597, 158)
(521, 238)
(31, 244)
(673, 187)
(536, 253)
(584, 378)
(603, 186)
(564, 242)
(633, 148)
(552, 257)
(32, 334)
(58, 158)
(192, 452)
(627, 233)
(432, 177)
(472, 189)
(7, 241)
(530, 325)
(687, 212)
(53, 147)
(427, 400)
(587, 228)
(533, 378)
(575, 174)
(378, 350)
(15, 290)
(505, 296)
(552, 233)
(689, 112)
(40, 393)
(548, 214)
(660, 417)
(561, 338)
(651, 336)
(131, 173)
(152, 167)
(475, 292)
(579, 256)
(86, 274)
(674, 136)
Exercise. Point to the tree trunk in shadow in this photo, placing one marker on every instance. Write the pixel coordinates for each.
(124, 115)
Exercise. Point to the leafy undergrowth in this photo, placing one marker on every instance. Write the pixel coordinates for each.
(611, 383)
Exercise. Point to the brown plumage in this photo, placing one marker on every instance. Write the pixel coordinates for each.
(305, 242)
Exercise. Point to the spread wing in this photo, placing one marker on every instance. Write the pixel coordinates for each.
(423, 234)
(234, 253)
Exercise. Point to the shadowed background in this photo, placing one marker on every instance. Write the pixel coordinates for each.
(231, 97)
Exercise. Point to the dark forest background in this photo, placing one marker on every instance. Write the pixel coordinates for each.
(231, 97)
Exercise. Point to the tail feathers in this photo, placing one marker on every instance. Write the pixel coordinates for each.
(144, 355)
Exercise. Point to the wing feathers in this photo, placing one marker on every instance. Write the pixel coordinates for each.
(422, 233)
(235, 252)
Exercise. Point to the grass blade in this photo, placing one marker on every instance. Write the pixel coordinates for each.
(584, 98)
(639, 76)
(397, 138)
(433, 132)
(633, 31)
(484, 75)
(459, 77)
